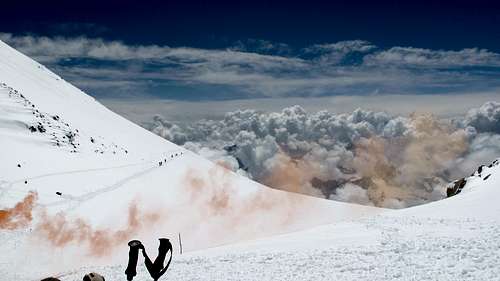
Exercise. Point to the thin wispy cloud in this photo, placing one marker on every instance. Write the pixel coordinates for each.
(407, 56)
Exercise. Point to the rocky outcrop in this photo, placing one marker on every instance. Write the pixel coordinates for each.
(482, 171)
(456, 187)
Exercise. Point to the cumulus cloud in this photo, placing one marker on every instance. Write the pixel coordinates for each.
(366, 157)
(485, 119)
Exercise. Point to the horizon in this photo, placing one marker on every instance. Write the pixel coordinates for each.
(230, 56)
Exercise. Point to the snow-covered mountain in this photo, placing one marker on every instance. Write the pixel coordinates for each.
(78, 181)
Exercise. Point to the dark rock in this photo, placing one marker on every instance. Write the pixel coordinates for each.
(231, 148)
(71, 136)
(480, 169)
(456, 188)
(241, 165)
(327, 187)
(41, 128)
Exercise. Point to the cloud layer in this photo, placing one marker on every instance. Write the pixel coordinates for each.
(366, 157)
(258, 68)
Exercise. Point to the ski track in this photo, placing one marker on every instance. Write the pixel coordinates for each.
(93, 194)
(120, 183)
(6, 186)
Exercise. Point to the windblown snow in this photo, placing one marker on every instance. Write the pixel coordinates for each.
(78, 182)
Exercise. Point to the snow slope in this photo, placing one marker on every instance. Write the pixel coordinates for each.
(453, 239)
(99, 183)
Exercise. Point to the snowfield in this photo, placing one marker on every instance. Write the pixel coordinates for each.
(77, 182)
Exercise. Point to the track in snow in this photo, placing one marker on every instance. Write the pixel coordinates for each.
(6, 186)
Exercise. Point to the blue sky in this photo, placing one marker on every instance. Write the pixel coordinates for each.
(440, 24)
(201, 51)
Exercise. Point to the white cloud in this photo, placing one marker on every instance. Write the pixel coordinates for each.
(365, 156)
(485, 119)
(264, 69)
(408, 56)
(352, 193)
(47, 49)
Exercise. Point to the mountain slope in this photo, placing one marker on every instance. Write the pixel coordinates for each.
(79, 181)
(453, 239)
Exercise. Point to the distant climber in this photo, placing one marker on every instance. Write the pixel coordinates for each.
(58, 193)
(160, 163)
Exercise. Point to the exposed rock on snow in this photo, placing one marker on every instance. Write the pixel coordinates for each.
(456, 187)
(482, 171)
